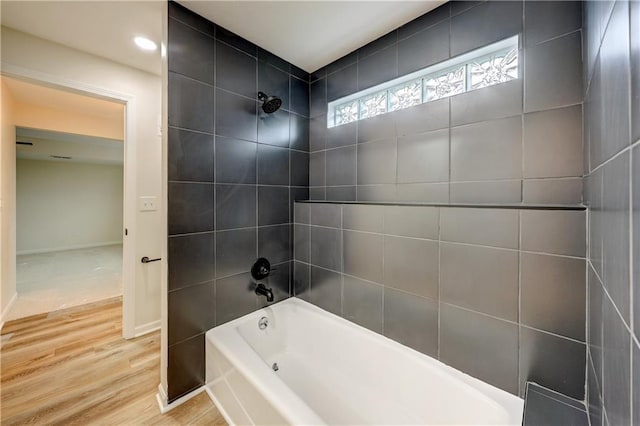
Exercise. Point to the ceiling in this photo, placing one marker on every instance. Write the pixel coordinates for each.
(103, 28)
(80, 148)
(47, 143)
(32, 94)
(311, 34)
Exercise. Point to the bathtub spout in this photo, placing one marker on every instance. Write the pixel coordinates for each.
(264, 291)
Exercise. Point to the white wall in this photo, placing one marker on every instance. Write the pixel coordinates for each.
(164, 292)
(62, 205)
(22, 51)
(7, 201)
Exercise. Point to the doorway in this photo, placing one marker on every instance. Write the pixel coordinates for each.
(73, 199)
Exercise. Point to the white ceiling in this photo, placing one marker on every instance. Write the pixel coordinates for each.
(311, 34)
(103, 28)
(47, 143)
(81, 148)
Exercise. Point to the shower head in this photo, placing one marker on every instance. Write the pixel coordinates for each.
(270, 104)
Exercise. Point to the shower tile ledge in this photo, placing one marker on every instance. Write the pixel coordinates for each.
(521, 206)
(546, 407)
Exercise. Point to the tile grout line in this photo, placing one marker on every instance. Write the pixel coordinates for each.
(341, 262)
(620, 153)
(632, 152)
(384, 267)
(556, 399)
(522, 107)
(440, 281)
(215, 191)
(256, 217)
(519, 295)
(606, 292)
(631, 252)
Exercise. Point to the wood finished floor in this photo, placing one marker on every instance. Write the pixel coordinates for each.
(74, 367)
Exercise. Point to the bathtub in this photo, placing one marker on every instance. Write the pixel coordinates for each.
(310, 367)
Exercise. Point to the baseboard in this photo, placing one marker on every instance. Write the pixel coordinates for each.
(7, 309)
(146, 328)
(74, 247)
(165, 407)
(161, 397)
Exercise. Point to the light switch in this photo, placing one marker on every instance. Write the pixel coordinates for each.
(148, 204)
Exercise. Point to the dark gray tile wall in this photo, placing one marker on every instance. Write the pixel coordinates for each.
(234, 173)
(498, 293)
(517, 142)
(611, 191)
(545, 407)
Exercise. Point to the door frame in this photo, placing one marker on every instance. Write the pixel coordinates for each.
(129, 172)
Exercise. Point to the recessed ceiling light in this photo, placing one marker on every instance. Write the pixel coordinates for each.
(145, 44)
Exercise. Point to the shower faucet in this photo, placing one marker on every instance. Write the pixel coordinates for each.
(261, 269)
(262, 290)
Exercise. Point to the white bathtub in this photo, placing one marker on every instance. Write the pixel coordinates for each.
(331, 371)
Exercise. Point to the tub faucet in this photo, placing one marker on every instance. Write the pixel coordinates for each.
(264, 291)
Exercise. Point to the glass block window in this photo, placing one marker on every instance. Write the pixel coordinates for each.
(487, 66)
(445, 84)
(346, 113)
(494, 69)
(373, 105)
(405, 95)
